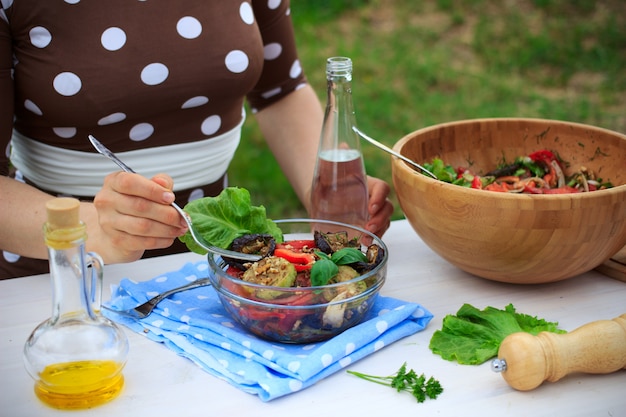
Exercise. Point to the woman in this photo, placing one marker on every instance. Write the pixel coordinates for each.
(162, 84)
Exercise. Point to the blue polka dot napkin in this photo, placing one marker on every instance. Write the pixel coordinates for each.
(194, 324)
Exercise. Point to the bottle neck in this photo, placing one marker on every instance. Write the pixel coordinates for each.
(339, 117)
(67, 261)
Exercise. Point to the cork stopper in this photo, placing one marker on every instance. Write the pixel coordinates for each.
(63, 213)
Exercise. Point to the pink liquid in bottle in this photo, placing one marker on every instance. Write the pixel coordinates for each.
(339, 189)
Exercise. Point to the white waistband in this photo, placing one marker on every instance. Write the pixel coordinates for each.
(82, 173)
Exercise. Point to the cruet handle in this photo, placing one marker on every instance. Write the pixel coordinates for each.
(95, 265)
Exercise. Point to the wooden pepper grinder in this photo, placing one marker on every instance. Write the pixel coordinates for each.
(525, 361)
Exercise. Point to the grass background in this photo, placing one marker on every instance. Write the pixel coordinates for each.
(419, 63)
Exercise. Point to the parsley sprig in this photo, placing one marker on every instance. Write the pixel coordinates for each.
(409, 381)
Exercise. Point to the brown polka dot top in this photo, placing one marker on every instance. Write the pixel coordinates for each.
(139, 74)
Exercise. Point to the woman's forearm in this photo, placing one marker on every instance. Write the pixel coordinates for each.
(292, 129)
(22, 215)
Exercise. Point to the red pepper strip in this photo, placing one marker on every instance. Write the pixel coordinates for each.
(301, 268)
(278, 320)
(476, 183)
(297, 299)
(550, 178)
(547, 158)
(302, 261)
(253, 313)
(232, 287)
(544, 155)
(297, 244)
(494, 186)
(234, 272)
(284, 325)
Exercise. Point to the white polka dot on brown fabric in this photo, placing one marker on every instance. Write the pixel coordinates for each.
(295, 70)
(272, 51)
(237, 61)
(141, 131)
(211, 124)
(67, 84)
(273, 4)
(111, 118)
(246, 13)
(195, 102)
(40, 36)
(154, 74)
(113, 39)
(196, 194)
(189, 27)
(10, 257)
(64, 132)
(29, 105)
(272, 92)
(7, 3)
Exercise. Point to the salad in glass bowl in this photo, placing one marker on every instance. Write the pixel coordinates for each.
(316, 278)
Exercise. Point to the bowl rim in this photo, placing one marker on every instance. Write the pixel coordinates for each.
(399, 164)
(216, 268)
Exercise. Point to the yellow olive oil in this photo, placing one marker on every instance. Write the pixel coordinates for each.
(80, 384)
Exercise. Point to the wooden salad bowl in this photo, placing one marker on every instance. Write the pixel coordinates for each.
(516, 238)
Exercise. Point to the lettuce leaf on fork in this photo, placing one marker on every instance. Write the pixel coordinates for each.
(473, 336)
(223, 218)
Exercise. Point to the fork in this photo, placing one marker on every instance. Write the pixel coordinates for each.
(194, 234)
(144, 310)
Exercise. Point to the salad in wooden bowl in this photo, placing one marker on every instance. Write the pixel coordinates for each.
(525, 231)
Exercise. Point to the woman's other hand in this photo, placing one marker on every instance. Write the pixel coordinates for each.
(379, 207)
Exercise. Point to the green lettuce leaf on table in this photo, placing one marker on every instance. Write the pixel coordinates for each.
(223, 218)
(473, 336)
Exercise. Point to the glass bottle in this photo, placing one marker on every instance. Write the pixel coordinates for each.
(339, 190)
(77, 355)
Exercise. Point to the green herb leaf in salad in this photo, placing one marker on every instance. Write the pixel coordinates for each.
(442, 171)
(223, 218)
(347, 256)
(323, 270)
(473, 336)
(409, 381)
(326, 266)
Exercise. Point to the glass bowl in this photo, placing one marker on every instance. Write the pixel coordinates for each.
(301, 314)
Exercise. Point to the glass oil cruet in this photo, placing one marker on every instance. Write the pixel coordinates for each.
(77, 355)
(339, 189)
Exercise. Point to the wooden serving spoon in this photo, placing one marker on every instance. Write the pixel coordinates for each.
(526, 361)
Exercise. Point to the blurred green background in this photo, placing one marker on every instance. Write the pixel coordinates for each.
(419, 63)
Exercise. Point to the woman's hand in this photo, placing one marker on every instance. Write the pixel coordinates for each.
(379, 207)
(134, 214)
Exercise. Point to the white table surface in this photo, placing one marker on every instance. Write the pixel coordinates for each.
(160, 383)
